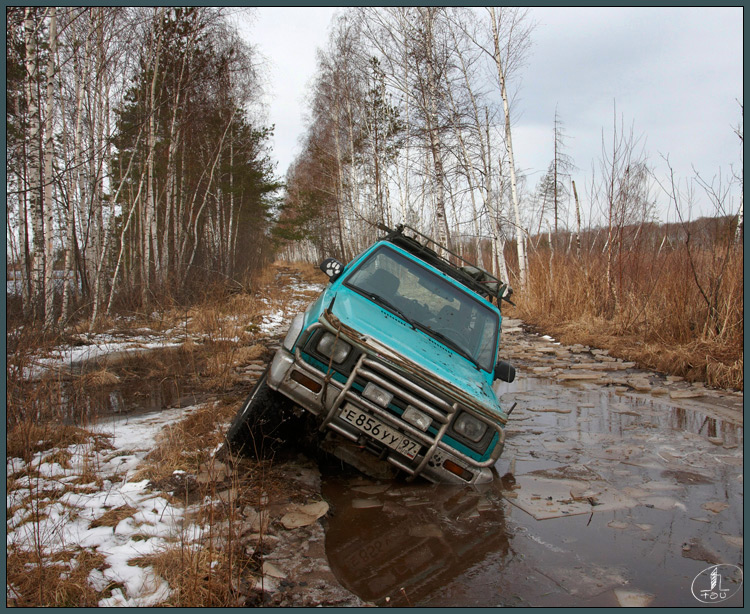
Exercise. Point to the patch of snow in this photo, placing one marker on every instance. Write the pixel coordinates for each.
(66, 522)
(274, 323)
(15, 465)
(103, 345)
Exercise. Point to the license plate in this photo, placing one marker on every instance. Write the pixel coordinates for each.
(379, 431)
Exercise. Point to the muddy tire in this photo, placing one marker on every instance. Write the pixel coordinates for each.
(263, 424)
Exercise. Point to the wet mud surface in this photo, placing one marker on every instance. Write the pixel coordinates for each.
(616, 487)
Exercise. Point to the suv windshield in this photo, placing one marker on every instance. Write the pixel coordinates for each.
(429, 302)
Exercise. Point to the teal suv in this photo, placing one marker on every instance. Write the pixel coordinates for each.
(392, 367)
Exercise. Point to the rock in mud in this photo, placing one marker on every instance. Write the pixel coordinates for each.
(715, 506)
(304, 515)
(632, 599)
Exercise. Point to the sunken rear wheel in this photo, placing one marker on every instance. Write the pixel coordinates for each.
(264, 424)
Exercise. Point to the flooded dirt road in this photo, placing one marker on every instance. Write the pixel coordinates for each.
(616, 487)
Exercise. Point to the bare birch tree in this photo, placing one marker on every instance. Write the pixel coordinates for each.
(34, 166)
(105, 141)
(622, 195)
(49, 153)
(507, 52)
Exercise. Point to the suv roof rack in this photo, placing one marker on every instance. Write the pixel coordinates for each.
(476, 279)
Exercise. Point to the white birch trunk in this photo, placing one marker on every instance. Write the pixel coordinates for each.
(340, 168)
(443, 232)
(208, 190)
(520, 234)
(229, 264)
(74, 177)
(49, 152)
(33, 153)
(149, 229)
(740, 221)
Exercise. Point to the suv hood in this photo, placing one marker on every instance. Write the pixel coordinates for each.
(387, 331)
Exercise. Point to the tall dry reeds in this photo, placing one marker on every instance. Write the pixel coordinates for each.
(677, 310)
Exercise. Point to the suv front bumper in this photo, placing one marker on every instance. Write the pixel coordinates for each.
(326, 397)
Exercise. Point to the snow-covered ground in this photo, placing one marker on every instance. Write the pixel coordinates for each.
(277, 320)
(64, 522)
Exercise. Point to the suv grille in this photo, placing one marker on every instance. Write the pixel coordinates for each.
(405, 392)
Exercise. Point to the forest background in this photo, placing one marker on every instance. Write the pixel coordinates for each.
(139, 177)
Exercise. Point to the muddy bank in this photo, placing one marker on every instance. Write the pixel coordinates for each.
(284, 533)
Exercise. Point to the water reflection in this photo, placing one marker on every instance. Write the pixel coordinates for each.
(402, 545)
(673, 465)
(81, 405)
(604, 410)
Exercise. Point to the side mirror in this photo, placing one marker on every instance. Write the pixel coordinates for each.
(505, 371)
(332, 268)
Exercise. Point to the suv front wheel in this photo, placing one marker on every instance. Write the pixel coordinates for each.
(264, 424)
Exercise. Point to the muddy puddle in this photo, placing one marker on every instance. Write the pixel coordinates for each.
(615, 499)
(131, 384)
(129, 398)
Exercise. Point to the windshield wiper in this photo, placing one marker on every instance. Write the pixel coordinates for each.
(450, 343)
(376, 298)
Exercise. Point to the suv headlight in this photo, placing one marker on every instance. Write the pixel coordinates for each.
(295, 328)
(334, 348)
(471, 428)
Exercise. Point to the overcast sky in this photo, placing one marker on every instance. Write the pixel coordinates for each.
(675, 74)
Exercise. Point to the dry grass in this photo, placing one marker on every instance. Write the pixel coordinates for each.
(247, 354)
(218, 570)
(99, 378)
(111, 518)
(188, 443)
(201, 577)
(26, 438)
(218, 372)
(653, 313)
(55, 582)
(61, 457)
(308, 272)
